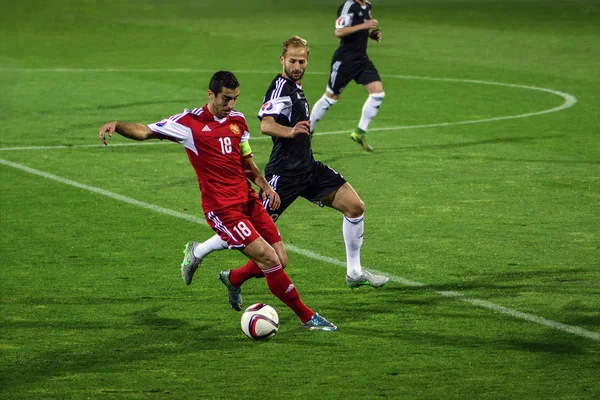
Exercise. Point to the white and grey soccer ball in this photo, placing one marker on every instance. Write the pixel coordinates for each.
(260, 321)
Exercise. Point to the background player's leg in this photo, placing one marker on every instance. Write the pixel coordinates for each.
(341, 73)
(321, 107)
(369, 111)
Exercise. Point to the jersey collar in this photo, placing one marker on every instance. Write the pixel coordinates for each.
(212, 117)
(298, 85)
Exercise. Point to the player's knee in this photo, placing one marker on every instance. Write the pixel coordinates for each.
(356, 210)
(266, 258)
(331, 97)
(273, 260)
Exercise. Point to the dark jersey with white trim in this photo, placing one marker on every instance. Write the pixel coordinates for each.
(351, 13)
(286, 103)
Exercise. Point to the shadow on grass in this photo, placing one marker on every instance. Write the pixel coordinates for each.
(101, 347)
(462, 339)
(523, 280)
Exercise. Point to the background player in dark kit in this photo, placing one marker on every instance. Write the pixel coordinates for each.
(354, 26)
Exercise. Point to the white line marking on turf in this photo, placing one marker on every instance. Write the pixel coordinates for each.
(102, 192)
(575, 330)
(81, 146)
(569, 101)
(307, 253)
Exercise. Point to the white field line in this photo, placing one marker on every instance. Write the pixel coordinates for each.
(569, 101)
(82, 146)
(310, 254)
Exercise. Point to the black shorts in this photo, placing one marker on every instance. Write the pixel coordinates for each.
(313, 186)
(343, 70)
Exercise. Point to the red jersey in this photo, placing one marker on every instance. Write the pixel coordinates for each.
(214, 148)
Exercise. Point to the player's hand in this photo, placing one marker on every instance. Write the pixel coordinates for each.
(274, 199)
(370, 23)
(107, 128)
(302, 127)
(375, 35)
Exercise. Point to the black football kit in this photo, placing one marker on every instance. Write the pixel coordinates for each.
(292, 170)
(350, 60)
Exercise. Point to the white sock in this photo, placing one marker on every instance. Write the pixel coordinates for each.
(319, 110)
(353, 229)
(215, 243)
(369, 110)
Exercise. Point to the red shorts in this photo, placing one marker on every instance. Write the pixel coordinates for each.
(241, 224)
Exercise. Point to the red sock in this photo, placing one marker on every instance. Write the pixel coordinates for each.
(281, 286)
(245, 272)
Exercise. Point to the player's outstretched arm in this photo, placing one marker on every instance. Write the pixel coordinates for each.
(125, 129)
(254, 174)
(268, 126)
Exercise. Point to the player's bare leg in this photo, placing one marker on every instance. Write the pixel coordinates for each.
(281, 253)
(195, 252)
(251, 270)
(347, 201)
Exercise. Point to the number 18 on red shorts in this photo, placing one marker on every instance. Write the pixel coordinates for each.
(241, 224)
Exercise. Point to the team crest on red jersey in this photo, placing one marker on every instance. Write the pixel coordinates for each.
(235, 129)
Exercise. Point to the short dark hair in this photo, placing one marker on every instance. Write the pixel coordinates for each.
(222, 79)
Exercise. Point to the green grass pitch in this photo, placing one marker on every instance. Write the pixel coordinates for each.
(481, 200)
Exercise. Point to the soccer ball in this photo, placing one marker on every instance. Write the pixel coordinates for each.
(260, 321)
